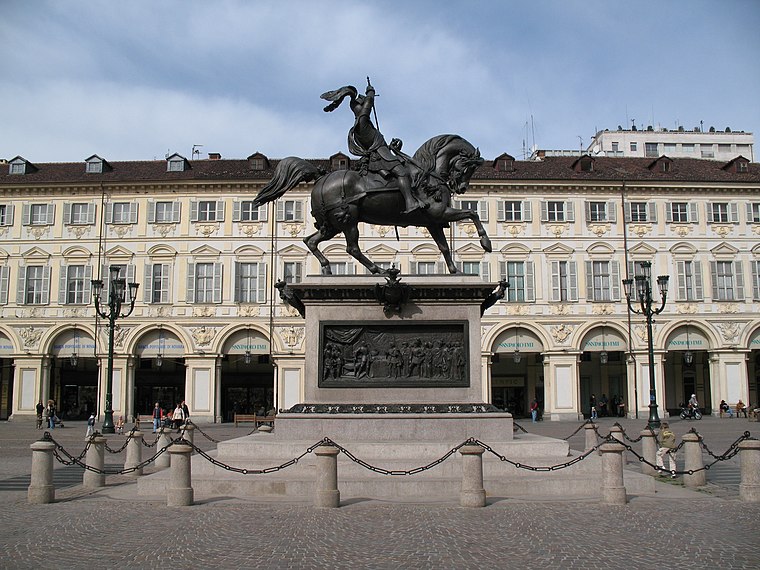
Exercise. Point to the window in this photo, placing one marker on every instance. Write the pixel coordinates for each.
(634, 146)
(157, 281)
(602, 281)
(204, 283)
(707, 151)
(79, 214)
(176, 163)
(38, 214)
(650, 150)
(74, 285)
(724, 148)
(743, 149)
(4, 280)
(292, 271)
(519, 274)
(474, 268)
(6, 214)
(480, 207)
(17, 168)
(681, 212)
(163, 212)
(94, 167)
(555, 211)
(514, 211)
(250, 282)
(342, 268)
(381, 265)
(615, 147)
(600, 212)
(641, 212)
(669, 148)
(245, 211)
(424, 267)
(756, 280)
(564, 281)
(289, 211)
(126, 272)
(727, 281)
(723, 213)
(121, 213)
(34, 285)
(689, 275)
(742, 167)
(207, 211)
(753, 213)
(257, 163)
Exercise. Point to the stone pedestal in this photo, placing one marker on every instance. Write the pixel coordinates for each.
(180, 492)
(693, 461)
(134, 453)
(749, 489)
(95, 458)
(41, 489)
(649, 451)
(326, 493)
(473, 494)
(164, 439)
(613, 488)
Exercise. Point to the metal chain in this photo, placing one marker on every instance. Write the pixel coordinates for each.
(246, 471)
(580, 427)
(518, 426)
(130, 435)
(519, 465)
(203, 433)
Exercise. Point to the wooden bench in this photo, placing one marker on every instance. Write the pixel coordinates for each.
(254, 419)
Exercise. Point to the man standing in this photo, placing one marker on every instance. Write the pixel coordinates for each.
(40, 409)
(156, 417)
(90, 425)
(667, 445)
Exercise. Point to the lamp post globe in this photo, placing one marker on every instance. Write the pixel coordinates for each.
(111, 311)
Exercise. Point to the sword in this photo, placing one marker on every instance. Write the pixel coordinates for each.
(377, 123)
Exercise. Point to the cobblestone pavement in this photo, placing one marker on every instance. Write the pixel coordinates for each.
(85, 529)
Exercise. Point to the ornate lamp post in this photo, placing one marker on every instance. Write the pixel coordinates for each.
(644, 293)
(116, 297)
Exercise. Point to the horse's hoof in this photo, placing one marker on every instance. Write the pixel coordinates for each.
(485, 243)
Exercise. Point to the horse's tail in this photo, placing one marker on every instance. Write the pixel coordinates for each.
(289, 172)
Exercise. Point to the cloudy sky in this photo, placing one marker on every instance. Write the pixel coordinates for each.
(139, 79)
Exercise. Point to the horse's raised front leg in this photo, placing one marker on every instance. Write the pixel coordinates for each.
(439, 237)
(456, 215)
(352, 247)
(313, 241)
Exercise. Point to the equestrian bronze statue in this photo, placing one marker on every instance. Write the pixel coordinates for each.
(388, 187)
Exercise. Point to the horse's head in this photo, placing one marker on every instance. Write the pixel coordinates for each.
(461, 168)
(450, 159)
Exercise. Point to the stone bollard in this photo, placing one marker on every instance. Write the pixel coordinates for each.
(95, 458)
(326, 493)
(693, 461)
(187, 433)
(616, 431)
(134, 453)
(473, 494)
(749, 488)
(41, 489)
(180, 492)
(590, 430)
(164, 439)
(613, 487)
(648, 451)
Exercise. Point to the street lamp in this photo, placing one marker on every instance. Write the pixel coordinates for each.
(644, 294)
(116, 297)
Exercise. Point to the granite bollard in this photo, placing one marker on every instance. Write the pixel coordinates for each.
(616, 431)
(134, 453)
(164, 440)
(188, 433)
(180, 492)
(613, 487)
(749, 488)
(41, 489)
(326, 493)
(693, 461)
(590, 431)
(473, 494)
(648, 451)
(95, 458)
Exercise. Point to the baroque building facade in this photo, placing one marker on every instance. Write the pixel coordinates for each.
(208, 327)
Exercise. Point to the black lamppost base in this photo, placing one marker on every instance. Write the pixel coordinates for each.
(654, 419)
(108, 426)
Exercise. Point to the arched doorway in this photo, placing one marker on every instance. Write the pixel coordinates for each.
(74, 374)
(517, 371)
(247, 382)
(753, 370)
(160, 371)
(603, 373)
(6, 377)
(687, 369)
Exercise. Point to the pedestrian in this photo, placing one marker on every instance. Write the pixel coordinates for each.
(51, 414)
(90, 425)
(40, 409)
(120, 425)
(185, 411)
(534, 410)
(178, 416)
(667, 445)
(156, 417)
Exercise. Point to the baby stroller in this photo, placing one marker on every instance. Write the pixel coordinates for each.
(57, 422)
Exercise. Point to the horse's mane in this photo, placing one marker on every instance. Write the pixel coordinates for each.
(426, 155)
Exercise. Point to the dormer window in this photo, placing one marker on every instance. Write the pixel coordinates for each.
(17, 168)
(258, 161)
(662, 164)
(584, 164)
(740, 165)
(177, 163)
(339, 161)
(20, 165)
(96, 165)
(504, 163)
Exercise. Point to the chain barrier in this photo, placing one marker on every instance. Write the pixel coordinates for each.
(130, 435)
(580, 427)
(246, 471)
(557, 467)
(518, 426)
(203, 433)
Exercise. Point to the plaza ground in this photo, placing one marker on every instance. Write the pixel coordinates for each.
(115, 526)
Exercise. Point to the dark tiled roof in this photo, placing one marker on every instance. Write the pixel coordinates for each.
(549, 169)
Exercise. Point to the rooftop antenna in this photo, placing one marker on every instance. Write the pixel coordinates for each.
(196, 150)
(580, 142)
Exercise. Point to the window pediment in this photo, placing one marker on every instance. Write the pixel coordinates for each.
(724, 249)
(600, 248)
(205, 251)
(558, 249)
(642, 249)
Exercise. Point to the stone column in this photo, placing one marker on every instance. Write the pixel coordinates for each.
(180, 493)
(326, 493)
(473, 494)
(164, 439)
(41, 489)
(693, 461)
(649, 451)
(749, 489)
(590, 431)
(95, 458)
(613, 487)
(134, 453)
(187, 433)
(616, 431)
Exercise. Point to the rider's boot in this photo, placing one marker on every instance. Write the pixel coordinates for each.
(412, 202)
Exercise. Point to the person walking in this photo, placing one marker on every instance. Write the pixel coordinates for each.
(90, 425)
(51, 414)
(156, 417)
(534, 411)
(40, 409)
(178, 416)
(667, 445)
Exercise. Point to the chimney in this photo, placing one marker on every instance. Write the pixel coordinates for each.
(214, 156)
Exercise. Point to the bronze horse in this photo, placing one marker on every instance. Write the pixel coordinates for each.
(341, 199)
